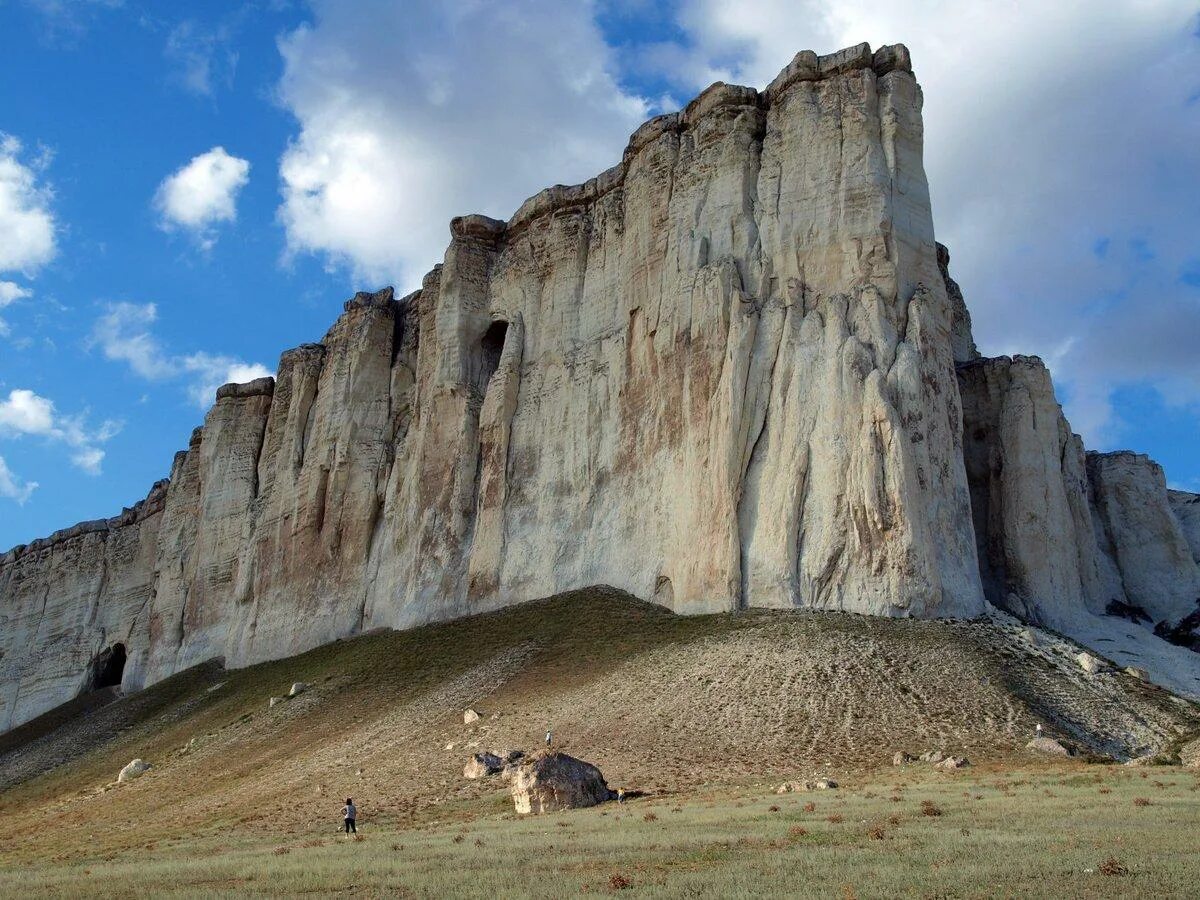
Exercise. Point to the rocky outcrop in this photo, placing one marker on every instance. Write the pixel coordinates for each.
(720, 374)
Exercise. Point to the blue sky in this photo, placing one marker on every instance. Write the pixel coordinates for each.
(186, 190)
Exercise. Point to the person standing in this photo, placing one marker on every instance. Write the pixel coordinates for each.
(350, 813)
(549, 738)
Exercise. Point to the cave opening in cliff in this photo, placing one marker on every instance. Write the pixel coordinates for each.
(108, 667)
(492, 345)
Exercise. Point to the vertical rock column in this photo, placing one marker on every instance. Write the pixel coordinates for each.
(207, 529)
(1029, 492)
(446, 470)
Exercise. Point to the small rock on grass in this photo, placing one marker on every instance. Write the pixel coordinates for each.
(818, 784)
(950, 763)
(135, 769)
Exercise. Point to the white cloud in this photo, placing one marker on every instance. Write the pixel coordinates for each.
(12, 487)
(201, 56)
(1049, 126)
(27, 227)
(477, 106)
(10, 292)
(202, 194)
(64, 22)
(125, 334)
(25, 413)
(210, 372)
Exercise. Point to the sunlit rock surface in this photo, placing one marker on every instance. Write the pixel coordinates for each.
(720, 374)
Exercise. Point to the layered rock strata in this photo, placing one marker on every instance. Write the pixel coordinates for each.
(720, 374)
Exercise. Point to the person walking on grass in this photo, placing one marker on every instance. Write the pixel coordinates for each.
(350, 812)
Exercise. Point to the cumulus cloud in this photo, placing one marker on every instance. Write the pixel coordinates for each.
(27, 227)
(202, 194)
(25, 413)
(210, 371)
(12, 487)
(1050, 130)
(124, 333)
(478, 106)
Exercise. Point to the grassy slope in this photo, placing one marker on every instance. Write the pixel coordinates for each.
(666, 704)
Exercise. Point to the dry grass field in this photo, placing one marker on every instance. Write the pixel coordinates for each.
(705, 715)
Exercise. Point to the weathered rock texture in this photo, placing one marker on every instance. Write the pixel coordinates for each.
(720, 374)
(553, 781)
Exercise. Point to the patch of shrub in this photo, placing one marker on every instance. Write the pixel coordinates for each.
(772, 808)
(1141, 801)
(1113, 866)
(835, 819)
(619, 882)
(876, 833)
(797, 831)
(649, 817)
(810, 806)
(929, 808)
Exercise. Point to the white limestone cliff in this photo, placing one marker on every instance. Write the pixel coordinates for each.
(720, 374)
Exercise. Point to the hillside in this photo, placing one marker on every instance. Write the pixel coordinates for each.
(661, 703)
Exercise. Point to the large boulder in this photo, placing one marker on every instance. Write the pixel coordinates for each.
(481, 765)
(1048, 746)
(470, 717)
(550, 781)
(298, 687)
(136, 769)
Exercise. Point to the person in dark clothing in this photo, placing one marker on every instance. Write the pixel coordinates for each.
(350, 812)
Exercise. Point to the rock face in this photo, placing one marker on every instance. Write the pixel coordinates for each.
(720, 374)
(1063, 534)
(551, 781)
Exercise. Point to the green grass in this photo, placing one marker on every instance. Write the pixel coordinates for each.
(1033, 833)
(249, 810)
